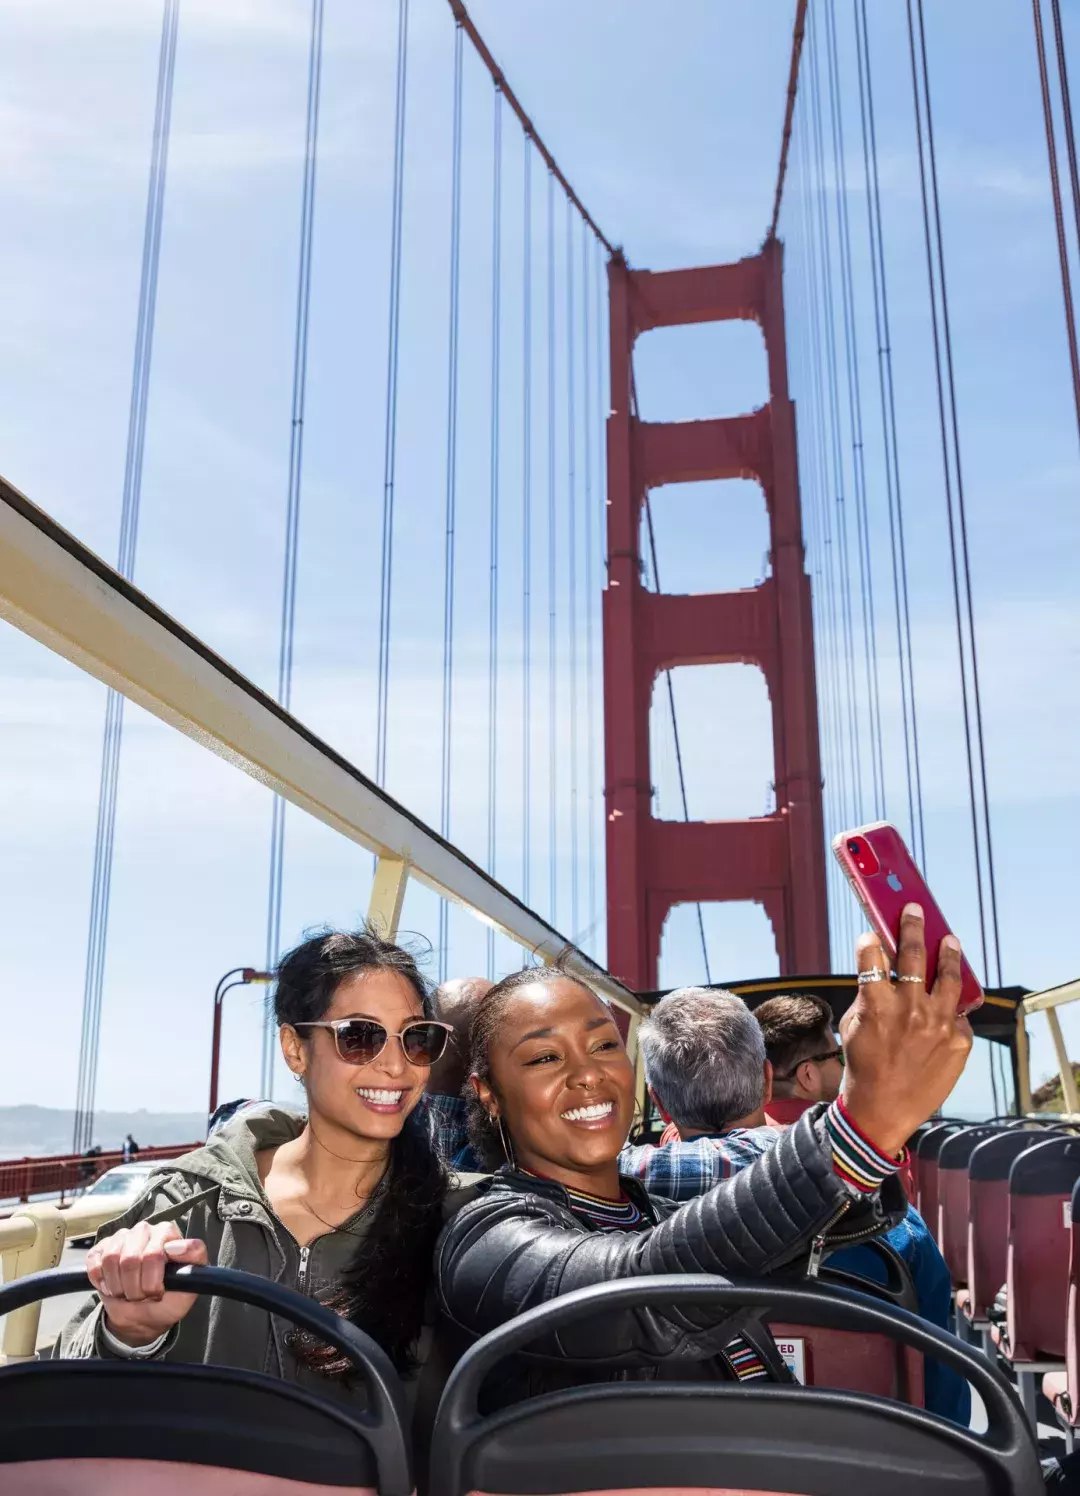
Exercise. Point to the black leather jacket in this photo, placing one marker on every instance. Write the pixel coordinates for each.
(517, 1244)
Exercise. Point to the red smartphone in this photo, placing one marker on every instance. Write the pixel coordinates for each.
(884, 878)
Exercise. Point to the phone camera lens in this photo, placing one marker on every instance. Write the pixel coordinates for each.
(854, 848)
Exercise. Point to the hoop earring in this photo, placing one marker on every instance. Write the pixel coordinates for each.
(507, 1146)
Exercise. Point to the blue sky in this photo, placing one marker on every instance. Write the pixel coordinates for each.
(670, 134)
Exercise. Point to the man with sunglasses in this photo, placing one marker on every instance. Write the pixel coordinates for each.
(806, 1057)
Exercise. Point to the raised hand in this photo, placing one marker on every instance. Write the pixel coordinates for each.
(128, 1271)
(904, 1047)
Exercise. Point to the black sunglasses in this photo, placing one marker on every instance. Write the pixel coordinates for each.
(361, 1040)
(807, 1059)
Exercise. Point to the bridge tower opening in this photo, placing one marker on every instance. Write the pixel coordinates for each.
(776, 860)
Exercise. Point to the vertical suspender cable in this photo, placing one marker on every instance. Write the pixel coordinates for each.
(954, 490)
(390, 438)
(894, 494)
(526, 533)
(1055, 178)
(552, 536)
(101, 885)
(451, 488)
(590, 708)
(493, 526)
(292, 509)
(571, 545)
(854, 401)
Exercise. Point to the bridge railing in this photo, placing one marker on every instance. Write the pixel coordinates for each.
(63, 1173)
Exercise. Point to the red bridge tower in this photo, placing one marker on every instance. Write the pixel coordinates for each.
(776, 860)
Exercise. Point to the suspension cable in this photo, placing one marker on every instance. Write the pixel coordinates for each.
(526, 535)
(954, 487)
(1055, 179)
(390, 438)
(855, 418)
(552, 537)
(798, 33)
(449, 575)
(493, 528)
(105, 834)
(893, 489)
(292, 511)
(590, 709)
(571, 548)
(464, 20)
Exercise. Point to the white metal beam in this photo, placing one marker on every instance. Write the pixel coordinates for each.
(57, 591)
(1053, 997)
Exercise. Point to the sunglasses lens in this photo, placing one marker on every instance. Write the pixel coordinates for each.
(360, 1041)
(423, 1043)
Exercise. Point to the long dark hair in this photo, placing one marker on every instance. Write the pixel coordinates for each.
(488, 1139)
(384, 1288)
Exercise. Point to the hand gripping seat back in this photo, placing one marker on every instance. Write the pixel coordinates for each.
(1040, 1238)
(952, 1182)
(988, 1223)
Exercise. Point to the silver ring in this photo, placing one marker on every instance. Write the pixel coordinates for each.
(875, 974)
(910, 979)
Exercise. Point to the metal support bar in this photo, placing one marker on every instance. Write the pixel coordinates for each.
(42, 1252)
(1023, 1063)
(388, 895)
(1065, 1069)
(57, 591)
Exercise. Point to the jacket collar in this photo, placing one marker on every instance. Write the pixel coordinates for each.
(782, 1111)
(517, 1181)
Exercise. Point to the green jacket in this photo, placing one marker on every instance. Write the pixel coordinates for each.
(215, 1194)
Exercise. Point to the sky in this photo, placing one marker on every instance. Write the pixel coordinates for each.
(670, 135)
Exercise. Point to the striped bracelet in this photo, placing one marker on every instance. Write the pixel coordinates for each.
(855, 1158)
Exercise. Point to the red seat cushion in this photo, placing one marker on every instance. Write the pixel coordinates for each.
(93, 1477)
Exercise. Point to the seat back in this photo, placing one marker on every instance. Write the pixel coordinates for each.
(953, 1159)
(87, 1426)
(1072, 1311)
(723, 1437)
(929, 1146)
(1040, 1235)
(988, 1214)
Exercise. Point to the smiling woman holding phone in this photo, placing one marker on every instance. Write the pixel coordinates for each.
(551, 1105)
(344, 1204)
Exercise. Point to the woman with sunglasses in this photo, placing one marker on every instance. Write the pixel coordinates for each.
(344, 1204)
(551, 1104)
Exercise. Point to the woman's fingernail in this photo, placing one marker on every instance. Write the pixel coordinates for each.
(174, 1248)
(951, 943)
(915, 910)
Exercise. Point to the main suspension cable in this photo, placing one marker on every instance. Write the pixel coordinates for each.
(1055, 179)
(449, 554)
(105, 834)
(590, 708)
(292, 510)
(571, 547)
(390, 437)
(526, 535)
(552, 536)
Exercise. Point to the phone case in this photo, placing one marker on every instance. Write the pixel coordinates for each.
(884, 878)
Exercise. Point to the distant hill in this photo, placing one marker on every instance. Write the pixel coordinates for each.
(30, 1131)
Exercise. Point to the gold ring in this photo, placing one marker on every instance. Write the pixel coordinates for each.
(875, 974)
(910, 979)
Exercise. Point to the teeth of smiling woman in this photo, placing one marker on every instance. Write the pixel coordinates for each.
(384, 1098)
(590, 1113)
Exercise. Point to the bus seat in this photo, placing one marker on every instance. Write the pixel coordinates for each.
(103, 1427)
(928, 1148)
(1040, 1234)
(721, 1437)
(988, 1219)
(953, 1160)
(1062, 1388)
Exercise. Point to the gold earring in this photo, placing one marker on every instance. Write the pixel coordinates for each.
(507, 1146)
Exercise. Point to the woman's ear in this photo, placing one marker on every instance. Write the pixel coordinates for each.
(292, 1047)
(486, 1095)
